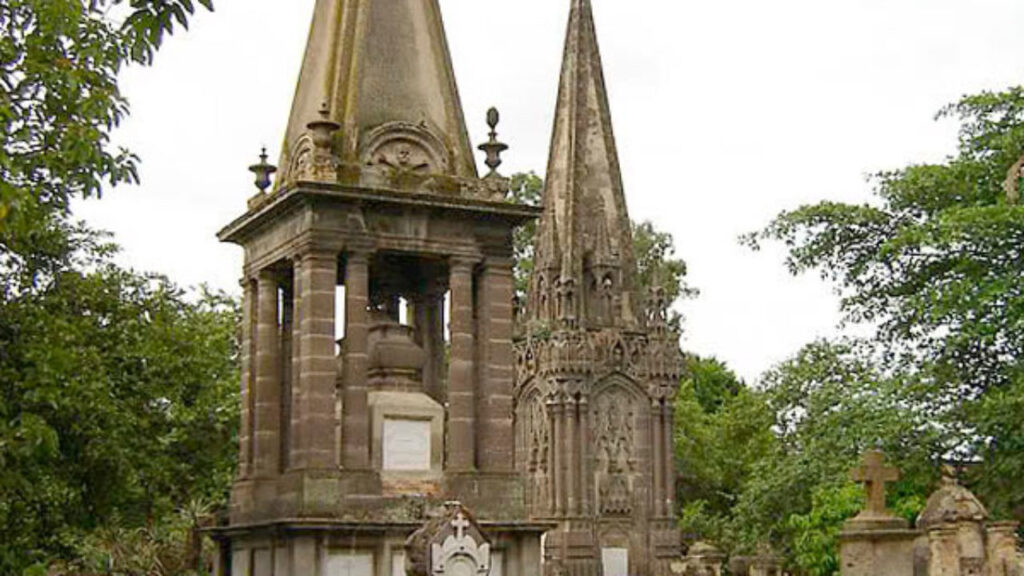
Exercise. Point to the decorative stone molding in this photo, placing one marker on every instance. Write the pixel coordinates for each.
(405, 148)
(642, 357)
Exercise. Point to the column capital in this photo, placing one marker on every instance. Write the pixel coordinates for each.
(459, 262)
(267, 274)
(498, 261)
(312, 254)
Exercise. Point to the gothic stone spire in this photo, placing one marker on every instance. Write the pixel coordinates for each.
(593, 274)
(382, 71)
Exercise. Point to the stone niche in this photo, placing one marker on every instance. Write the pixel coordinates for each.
(407, 425)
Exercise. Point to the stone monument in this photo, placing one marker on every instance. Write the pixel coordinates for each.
(350, 430)
(450, 545)
(597, 363)
(953, 536)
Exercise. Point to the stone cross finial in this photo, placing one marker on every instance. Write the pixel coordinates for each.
(460, 524)
(875, 475)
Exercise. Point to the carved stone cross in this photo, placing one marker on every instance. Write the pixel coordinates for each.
(875, 475)
(460, 524)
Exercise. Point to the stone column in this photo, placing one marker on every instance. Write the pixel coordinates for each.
(497, 429)
(668, 448)
(497, 436)
(289, 378)
(427, 316)
(570, 456)
(944, 559)
(248, 392)
(552, 476)
(433, 343)
(356, 424)
(461, 370)
(296, 441)
(267, 415)
(318, 282)
(557, 442)
(657, 436)
(586, 454)
(1002, 546)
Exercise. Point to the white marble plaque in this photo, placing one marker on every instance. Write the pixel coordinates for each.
(406, 445)
(241, 562)
(349, 564)
(262, 563)
(398, 564)
(497, 564)
(615, 561)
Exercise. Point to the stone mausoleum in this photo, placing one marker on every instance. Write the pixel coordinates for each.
(383, 375)
(361, 412)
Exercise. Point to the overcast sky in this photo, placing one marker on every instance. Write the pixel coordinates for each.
(726, 112)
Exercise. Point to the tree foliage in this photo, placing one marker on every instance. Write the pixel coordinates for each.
(527, 188)
(936, 263)
(770, 467)
(60, 102)
(118, 403)
(118, 395)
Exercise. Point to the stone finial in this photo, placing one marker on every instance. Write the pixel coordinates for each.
(263, 171)
(951, 503)
(658, 305)
(875, 476)
(451, 544)
(493, 148)
(322, 131)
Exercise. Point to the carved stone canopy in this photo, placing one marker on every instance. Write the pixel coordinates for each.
(451, 544)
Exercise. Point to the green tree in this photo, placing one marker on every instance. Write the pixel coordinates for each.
(527, 188)
(117, 389)
(60, 101)
(713, 382)
(771, 466)
(722, 432)
(935, 262)
(118, 404)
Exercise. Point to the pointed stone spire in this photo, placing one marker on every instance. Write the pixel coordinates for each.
(585, 207)
(384, 72)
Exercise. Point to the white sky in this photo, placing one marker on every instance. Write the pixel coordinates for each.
(726, 112)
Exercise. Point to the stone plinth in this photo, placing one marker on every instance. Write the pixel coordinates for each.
(876, 543)
(877, 551)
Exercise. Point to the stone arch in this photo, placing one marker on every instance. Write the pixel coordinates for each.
(300, 159)
(406, 147)
(533, 440)
(616, 537)
(619, 417)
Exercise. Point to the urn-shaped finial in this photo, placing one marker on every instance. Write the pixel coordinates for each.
(493, 148)
(263, 171)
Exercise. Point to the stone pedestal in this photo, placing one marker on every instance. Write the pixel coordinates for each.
(877, 550)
